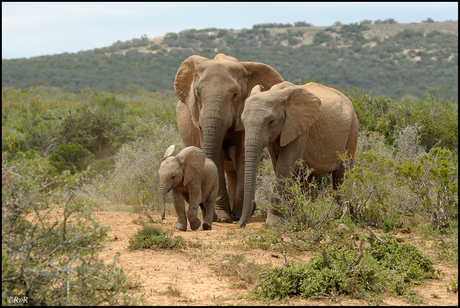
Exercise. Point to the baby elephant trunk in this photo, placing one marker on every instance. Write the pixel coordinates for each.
(162, 192)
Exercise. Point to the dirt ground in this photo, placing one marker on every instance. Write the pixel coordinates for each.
(186, 277)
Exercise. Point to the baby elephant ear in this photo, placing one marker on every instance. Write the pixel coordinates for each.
(257, 89)
(192, 158)
(302, 111)
(169, 151)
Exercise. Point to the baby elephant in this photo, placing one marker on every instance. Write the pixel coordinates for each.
(192, 177)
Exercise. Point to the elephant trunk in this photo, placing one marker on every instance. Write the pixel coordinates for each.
(253, 150)
(214, 124)
(162, 192)
(213, 137)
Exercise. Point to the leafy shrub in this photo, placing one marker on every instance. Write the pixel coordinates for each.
(11, 145)
(433, 178)
(50, 242)
(153, 237)
(71, 157)
(305, 207)
(138, 161)
(437, 119)
(366, 191)
(96, 127)
(321, 37)
(378, 268)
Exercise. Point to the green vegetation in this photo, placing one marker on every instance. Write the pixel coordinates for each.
(153, 237)
(50, 242)
(241, 272)
(384, 58)
(380, 267)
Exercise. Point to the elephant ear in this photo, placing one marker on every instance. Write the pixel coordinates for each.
(302, 111)
(261, 74)
(169, 151)
(183, 85)
(281, 85)
(192, 159)
(258, 74)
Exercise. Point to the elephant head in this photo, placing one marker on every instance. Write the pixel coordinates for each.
(215, 90)
(179, 169)
(284, 112)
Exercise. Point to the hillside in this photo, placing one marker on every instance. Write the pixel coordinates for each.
(383, 58)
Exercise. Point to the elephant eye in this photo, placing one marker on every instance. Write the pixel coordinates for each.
(173, 177)
(270, 123)
(234, 96)
(197, 93)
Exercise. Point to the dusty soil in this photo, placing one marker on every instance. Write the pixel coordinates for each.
(186, 277)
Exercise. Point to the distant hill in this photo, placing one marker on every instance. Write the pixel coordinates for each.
(383, 57)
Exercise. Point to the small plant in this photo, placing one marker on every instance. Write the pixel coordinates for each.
(238, 269)
(154, 237)
(413, 297)
(387, 226)
(170, 291)
(452, 286)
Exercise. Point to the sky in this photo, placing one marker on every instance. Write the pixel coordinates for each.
(31, 29)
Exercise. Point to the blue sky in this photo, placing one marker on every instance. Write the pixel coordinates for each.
(46, 28)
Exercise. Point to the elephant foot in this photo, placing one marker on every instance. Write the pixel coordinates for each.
(274, 219)
(195, 224)
(206, 226)
(224, 216)
(181, 226)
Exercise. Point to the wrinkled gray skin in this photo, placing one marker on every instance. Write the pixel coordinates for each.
(310, 122)
(191, 177)
(211, 96)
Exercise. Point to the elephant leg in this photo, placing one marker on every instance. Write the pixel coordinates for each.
(223, 202)
(274, 217)
(178, 200)
(207, 220)
(203, 210)
(337, 181)
(192, 216)
(239, 193)
(231, 179)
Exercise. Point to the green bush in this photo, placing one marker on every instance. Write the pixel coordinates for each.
(50, 241)
(437, 119)
(389, 267)
(153, 237)
(96, 127)
(71, 157)
(433, 178)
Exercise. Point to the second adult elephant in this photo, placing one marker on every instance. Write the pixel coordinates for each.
(211, 96)
(310, 122)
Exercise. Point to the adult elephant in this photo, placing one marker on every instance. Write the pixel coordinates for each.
(310, 122)
(211, 96)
